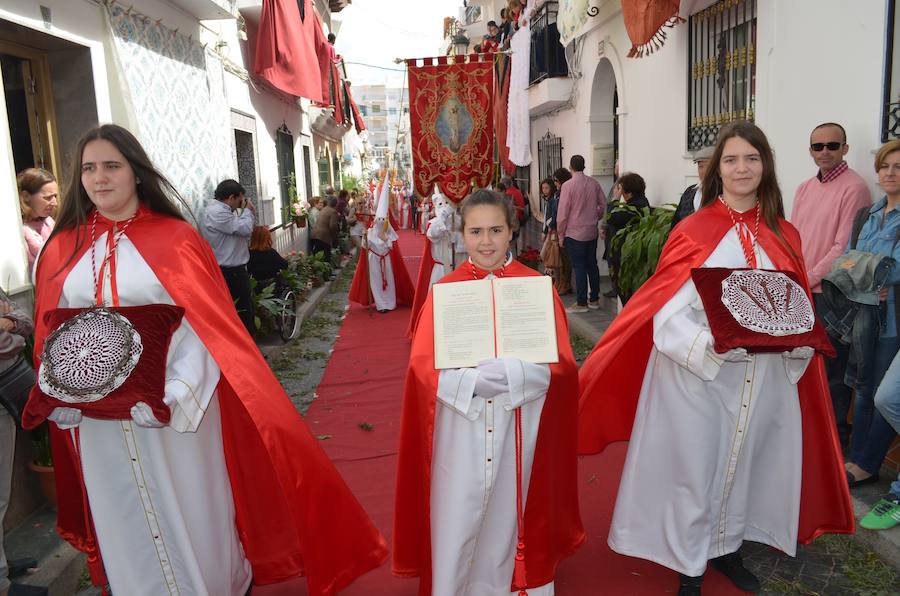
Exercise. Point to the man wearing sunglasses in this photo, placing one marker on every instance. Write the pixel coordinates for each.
(823, 212)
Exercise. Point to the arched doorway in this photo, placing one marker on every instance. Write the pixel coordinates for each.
(604, 129)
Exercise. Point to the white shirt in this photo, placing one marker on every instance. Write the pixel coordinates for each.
(228, 233)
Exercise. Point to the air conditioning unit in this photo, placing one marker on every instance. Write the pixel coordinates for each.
(603, 160)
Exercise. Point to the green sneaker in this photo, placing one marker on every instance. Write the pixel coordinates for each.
(884, 515)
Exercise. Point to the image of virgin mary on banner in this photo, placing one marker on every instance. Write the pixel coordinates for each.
(450, 120)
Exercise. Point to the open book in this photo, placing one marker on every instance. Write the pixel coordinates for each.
(494, 318)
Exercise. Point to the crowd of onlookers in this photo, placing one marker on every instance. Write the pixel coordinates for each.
(498, 35)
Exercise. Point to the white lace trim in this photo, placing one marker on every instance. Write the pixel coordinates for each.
(89, 356)
(767, 302)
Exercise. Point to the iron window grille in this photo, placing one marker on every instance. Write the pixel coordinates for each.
(721, 69)
(549, 155)
(890, 118)
(284, 152)
(548, 56)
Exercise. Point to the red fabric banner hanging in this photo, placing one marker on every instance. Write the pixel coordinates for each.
(645, 20)
(291, 50)
(501, 112)
(451, 125)
(354, 109)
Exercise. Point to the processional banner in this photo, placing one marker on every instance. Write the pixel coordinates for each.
(451, 123)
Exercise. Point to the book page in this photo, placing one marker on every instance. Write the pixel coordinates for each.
(526, 324)
(463, 323)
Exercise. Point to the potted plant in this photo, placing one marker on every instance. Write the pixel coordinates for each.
(300, 211)
(640, 244)
(42, 464)
(531, 258)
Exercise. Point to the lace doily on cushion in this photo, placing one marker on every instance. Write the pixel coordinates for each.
(767, 302)
(89, 356)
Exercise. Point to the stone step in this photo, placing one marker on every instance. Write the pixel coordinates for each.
(59, 566)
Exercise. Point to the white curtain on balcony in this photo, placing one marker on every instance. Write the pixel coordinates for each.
(173, 91)
(518, 133)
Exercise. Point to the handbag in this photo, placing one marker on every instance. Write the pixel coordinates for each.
(760, 310)
(15, 384)
(550, 256)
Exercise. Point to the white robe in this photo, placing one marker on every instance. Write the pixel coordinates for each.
(160, 498)
(441, 249)
(404, 215)
(379, 249)
(473, 484)
(715, 456)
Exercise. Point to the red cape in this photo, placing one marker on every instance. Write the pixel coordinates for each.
(553, 527)
(610, 392)
(422, 286)
(295, 515)
(359, 288)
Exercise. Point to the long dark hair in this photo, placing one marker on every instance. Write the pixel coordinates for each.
(154, 191)
(769, 194)
(549, 182)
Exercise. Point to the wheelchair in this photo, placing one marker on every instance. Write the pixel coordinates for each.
(287, 324)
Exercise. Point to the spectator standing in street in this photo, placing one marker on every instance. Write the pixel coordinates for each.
(581, 207)
(562, 276)
(16, 379)
(315, 206)
(690, 198)
(38, 199)
(824, 207)
(227, 224)
(632, 188)
(325, 233)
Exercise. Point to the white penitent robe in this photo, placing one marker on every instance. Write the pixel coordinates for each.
(441, 248)
(381, 272)
(716, 449)
(160, 498)
(404, 214)
(473, 486)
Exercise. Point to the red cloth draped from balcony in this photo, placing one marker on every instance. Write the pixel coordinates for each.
(357, 116)
(645, 21)
(450, 122)
(501, 111)
(291, 52)
(337, 93)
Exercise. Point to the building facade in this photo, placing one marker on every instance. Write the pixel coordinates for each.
(386, 110)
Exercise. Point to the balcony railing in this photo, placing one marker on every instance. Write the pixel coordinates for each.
(548, 57)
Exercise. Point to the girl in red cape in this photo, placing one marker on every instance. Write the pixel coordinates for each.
(723, 447)
(234, 491)
(457, 522)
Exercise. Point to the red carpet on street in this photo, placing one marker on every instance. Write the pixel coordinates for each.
(357, 418)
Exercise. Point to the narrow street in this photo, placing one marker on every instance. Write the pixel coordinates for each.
(345, 373)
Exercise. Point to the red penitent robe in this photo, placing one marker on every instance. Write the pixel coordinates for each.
(422, 281)
(359, 287)
(610, 391)
(553, 527)
(295, 515)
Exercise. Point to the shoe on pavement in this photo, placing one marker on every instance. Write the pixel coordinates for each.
(594, 305)
(884, 515)
(577, 308)
(610, 293)
(690, 585)
(732, 567)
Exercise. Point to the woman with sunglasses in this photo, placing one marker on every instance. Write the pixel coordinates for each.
(724, 447)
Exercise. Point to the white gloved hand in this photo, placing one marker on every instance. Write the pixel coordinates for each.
(65, 418)
(796, 361)
(143, 416)
(492, 379)
(801, 353)
(732, 355)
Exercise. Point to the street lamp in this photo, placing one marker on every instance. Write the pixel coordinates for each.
(460, 44)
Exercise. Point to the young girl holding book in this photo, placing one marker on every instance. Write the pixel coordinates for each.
(487, 501)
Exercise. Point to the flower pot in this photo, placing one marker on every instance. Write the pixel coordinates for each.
(47, 479)
(300, 221)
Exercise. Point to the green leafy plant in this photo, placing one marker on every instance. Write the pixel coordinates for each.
(321, 267)
(640, 243)
(266, 307)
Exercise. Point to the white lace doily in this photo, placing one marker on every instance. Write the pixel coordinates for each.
(767, 302)
(89, 356)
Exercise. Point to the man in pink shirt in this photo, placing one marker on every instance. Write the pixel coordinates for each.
(581, 207)
(824, 207)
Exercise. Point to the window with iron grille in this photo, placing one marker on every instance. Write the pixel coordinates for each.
(548, 56)
(549, 155)
(890, 124)
(284, 154)
(721, 69)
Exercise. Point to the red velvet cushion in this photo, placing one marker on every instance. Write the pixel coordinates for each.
(155, 323)
(769, 305)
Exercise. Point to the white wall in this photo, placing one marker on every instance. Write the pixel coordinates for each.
(817, 61)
